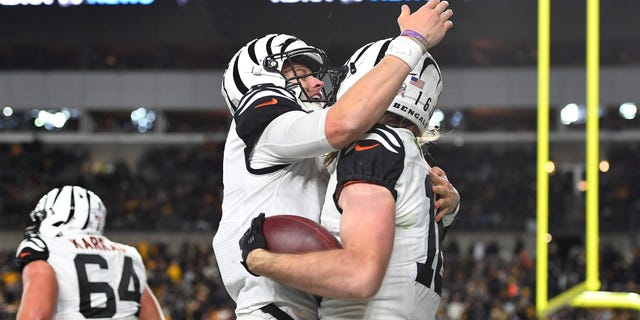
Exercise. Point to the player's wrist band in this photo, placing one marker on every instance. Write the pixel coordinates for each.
(406, 49)
(417, 37)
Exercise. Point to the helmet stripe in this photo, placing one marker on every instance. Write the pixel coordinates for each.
(236, 77)
(252, 51)
(382, 52)
(361, 53)
(269, 42)
(428, 61)
(286, 44)
(72, 205)
(58, 191)
(226, 97)
(86, 222)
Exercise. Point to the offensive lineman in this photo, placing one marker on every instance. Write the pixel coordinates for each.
(71, 271)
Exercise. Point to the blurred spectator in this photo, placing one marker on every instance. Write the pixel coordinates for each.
(178, 188)
(144, 197)
(188, 285)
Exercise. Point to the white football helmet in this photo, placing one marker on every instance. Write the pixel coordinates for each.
(70, 209)
(261, 61)
(418, 96)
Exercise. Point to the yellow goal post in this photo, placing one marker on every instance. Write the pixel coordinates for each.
(585, 294)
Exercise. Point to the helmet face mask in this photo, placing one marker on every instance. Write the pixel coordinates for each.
(312, 58)
(70, 209)
(262, 61)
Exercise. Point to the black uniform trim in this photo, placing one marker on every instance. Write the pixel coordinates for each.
(254, 117)
(276, 312)
(426, 275)
(31, 249)
(377, 158)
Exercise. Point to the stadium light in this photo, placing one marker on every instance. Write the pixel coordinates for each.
(143, 119)
(628, 110)
(436, 118)
(570, 114)
(604, 166)
(456, 119)
(52, 120)
(7, 111)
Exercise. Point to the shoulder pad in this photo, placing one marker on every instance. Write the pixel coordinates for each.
(376, 158)
(265, 91)
(31, 249)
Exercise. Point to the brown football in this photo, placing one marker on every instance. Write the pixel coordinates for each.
(295, 234)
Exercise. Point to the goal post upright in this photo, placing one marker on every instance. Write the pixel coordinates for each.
(585, 294)
(542, 196)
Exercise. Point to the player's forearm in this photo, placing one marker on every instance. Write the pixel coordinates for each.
(39, 294)
(40, 291)
(149, 306)
(365, 102)
(344, 278)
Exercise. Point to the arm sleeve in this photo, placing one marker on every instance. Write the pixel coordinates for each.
(277, 130)
(292, 136)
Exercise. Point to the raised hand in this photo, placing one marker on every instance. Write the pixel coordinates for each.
(431, 20)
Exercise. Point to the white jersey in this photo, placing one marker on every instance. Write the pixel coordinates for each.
(411, 287)
(97, 278)
(272, 164)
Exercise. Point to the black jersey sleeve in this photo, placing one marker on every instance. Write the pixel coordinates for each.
(31, 249)
(259, 109)
(377, 158)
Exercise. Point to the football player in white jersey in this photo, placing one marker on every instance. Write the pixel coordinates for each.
(280, 130)
(380, 205)
(70, 270)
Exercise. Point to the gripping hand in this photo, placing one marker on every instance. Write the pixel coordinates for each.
(253, 239)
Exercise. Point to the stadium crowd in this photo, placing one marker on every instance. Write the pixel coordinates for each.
(497, 184)
(149, 196)
(483, 281)
(178, 188)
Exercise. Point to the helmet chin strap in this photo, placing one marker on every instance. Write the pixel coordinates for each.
(313, 106)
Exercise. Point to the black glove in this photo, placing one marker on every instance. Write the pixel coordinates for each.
(253, 239)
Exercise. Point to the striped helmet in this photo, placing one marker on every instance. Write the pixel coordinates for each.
(418, 96)
(70, 209)
(261, 61)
